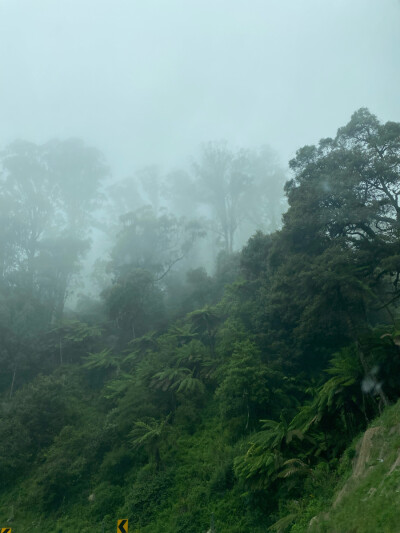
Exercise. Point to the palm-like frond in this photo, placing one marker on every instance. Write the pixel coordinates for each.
(169, 378)
(282, 525)
(148, 431)
(118, 386)
(190, 384)
(258, 467)
(103, 359)
(293, 467)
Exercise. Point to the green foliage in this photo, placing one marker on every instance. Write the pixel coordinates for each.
(106, 498)
(134, 302)
(147, 495)
(233, 409)
(103, 359)
(149, 434)
(42, 409)
(265, 460)
(244, 392)
(116, 465)
(15, 450)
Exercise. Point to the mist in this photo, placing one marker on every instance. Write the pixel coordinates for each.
(147, 82)
(199, 265)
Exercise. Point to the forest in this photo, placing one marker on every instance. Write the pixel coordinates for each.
(196, 350)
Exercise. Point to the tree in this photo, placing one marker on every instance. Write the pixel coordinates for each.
(334, 267)
(151, 242)
(222, 181)
(150, 433)
(151, 183)
(123, 197)
(239, 188)
(347, 187)
(265, 458)
(77, 171)
(244, 393)
(31, 194)
(57, 261)
(180, 193)
(135, 303)
(146, 251)
(45, 216)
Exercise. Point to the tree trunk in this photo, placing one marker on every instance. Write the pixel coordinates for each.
(12, 382)
(60, 351)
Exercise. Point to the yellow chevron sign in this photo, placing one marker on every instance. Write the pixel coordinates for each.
(5, 530)
(122, 526)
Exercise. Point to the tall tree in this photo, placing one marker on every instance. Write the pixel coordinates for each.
(346, 190)
(48, 193)
(151, 242)
(239, 188)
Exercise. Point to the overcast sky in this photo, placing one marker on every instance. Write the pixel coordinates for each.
(147, 81)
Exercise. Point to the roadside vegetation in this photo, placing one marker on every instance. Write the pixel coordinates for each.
(186, 399)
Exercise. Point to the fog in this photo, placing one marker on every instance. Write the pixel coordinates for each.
(199, 265)
(202, 103)
(147, 81)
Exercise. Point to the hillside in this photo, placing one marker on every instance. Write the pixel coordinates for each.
(362, 495)
(366, 497)
(231, 401)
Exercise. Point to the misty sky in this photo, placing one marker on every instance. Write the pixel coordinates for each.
(147, 81)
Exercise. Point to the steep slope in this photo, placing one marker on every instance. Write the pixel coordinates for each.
(367, 496)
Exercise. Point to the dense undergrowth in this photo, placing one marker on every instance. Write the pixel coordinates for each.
(237, 415)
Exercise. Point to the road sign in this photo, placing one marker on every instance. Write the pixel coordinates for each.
(122, 526)
(5, 530)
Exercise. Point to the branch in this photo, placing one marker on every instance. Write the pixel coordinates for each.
(388, 303)
(169, 267)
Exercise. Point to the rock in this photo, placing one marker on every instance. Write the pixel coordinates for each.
(360, 462)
